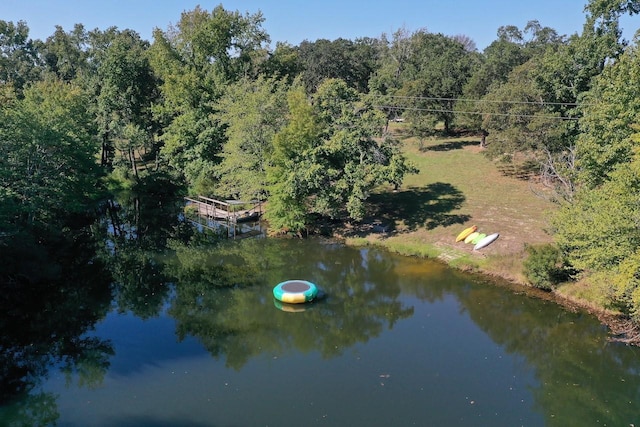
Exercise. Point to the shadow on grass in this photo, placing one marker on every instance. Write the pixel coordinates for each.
(428, 207)
(451, 145)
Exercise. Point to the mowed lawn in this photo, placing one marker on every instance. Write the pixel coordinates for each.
(458, 186)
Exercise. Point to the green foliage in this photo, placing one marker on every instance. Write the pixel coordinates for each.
(502, 69)
(420, 75)
(48, 151)
(329, 157)
(544, 267)
(599, 230)
(63, 53)
(425, 73)
(252, 111)
(626, 284)
(385, 82)
(127, 81)
(535, 110)
(514, 104)
(600, 235)
(513, 116)
(119, 179)
(437, 73)
(493, 68)
(287, 190)
(350, 61)
(610, 10)
(283, 63)
(196, 60)
(285, 211)
(18, 56)
(355, 156)
(610, 108)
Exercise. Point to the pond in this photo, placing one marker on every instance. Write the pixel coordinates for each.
(194, 337)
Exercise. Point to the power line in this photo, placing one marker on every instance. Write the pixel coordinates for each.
(433, 98)
(430, 110)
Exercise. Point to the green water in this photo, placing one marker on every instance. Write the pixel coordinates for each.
(193, 337)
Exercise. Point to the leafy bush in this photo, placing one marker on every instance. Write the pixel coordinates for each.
(544, 266)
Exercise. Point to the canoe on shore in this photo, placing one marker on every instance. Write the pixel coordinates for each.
(463, 235)
(486, 241)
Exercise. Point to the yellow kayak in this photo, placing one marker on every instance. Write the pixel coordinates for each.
(463, 235)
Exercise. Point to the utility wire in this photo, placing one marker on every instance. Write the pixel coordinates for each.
(429, 98)
(429, 110)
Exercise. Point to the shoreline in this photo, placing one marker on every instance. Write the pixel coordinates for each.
(621, 329)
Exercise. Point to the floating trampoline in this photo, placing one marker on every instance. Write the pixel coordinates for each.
(295, 291)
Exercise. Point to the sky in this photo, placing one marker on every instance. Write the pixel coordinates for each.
(294, 21)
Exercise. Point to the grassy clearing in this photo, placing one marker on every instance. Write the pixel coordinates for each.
(456, 187)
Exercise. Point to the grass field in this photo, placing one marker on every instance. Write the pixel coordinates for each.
(456, 187)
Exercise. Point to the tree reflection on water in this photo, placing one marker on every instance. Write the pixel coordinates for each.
(52, 295)
(223, 298)
(584, 378)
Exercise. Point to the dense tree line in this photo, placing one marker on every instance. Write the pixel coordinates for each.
(208, 104)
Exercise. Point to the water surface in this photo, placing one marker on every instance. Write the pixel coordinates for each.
(194, 338)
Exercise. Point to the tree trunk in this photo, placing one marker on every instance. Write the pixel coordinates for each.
(104, 161)
(132, 160)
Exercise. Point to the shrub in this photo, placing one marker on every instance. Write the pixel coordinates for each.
(544, 266)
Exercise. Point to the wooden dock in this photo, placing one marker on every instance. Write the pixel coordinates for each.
(237, 217)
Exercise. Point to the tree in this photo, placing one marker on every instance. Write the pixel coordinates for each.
(65, 54)
(287, 208)
(19, 63)
(195, 61)
(607, 11)
(126, 92)
(352, 62)
(329, 157)
(364, 58)
(598, 231)
(512, 48)
(609, 110)
(541, 38)
(516, 115)
(466, 41)
(9, 196)
(494, 66)
(525, 128)
(431, 78)
(95, 45)
(253, 111)
(48, 168)
(564, 75)
(385, 82)
(282, 63)
(190, 140)
(536, 110)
